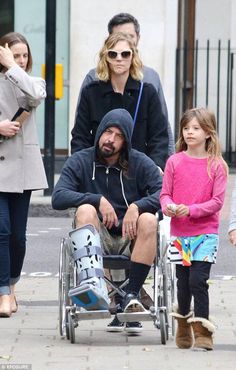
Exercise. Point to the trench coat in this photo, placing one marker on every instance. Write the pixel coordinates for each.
(21, 165)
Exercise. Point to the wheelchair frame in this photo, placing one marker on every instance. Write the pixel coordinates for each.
(163, 292)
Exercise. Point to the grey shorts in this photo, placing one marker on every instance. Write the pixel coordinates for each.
(114, 244)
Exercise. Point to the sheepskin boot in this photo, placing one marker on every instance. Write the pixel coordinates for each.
(184, 334)
(203, 330)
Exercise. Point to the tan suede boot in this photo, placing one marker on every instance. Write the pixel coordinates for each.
(203, 330)
(184, 334)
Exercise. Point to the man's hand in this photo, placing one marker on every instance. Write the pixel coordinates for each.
(9, 128)
(232, 237)
(129, 227)
(109, 217)
(6, 57)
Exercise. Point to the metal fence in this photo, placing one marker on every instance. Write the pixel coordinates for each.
(211, 84)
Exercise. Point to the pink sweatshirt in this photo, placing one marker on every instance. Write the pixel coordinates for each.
(186, 181)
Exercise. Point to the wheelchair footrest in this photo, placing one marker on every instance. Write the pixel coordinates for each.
(92, 315)
(89, 297)
(135, 316)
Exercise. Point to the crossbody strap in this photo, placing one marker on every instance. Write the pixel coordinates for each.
(138, 102)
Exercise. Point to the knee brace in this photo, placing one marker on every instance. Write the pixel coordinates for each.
(90, 291)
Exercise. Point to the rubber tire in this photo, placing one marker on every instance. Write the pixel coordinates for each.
(64, 285)
(71, 329)
(163, 327)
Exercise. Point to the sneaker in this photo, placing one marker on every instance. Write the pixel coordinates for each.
(115, 326)
(132, 304)
(145, 298)
(133, 327)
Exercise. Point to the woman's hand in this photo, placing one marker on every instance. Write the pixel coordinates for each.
(9, 128)
(6, 57)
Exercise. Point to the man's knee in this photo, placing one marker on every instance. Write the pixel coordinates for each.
(86, 214)
(147, 224)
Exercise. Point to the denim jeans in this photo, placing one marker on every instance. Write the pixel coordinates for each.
(13, 220)
(192, 282)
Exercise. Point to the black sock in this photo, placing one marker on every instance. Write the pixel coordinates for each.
(137, 276)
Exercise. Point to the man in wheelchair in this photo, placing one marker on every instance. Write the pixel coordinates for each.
(116, 192)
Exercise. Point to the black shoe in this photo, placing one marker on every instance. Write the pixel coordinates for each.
(132, 304)
(115, 325)
(133, 327)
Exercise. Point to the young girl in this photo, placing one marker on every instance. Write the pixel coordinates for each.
(192, 195)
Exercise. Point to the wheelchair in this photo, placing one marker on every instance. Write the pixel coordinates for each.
(163, 291)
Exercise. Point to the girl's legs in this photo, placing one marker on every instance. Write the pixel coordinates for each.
(199, 274)
(202, 327)
(183, 289)
(184, 335)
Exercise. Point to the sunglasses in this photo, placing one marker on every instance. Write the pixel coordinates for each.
(125, 54)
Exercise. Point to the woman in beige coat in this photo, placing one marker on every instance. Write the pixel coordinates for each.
(21, 166)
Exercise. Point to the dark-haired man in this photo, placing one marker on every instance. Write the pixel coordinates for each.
(116, 190)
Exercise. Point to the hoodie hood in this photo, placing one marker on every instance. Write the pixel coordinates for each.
(118, 118)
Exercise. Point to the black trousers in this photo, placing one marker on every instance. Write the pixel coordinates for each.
(192, 282)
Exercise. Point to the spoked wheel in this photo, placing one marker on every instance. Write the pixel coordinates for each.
(64, 286)
(163, 327)
(71, 328)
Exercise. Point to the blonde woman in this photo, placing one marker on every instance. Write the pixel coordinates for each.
(21, 166)
(119, 71)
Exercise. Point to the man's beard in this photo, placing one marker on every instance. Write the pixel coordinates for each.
(103, 153)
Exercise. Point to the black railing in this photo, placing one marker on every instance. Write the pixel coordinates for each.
(212, 87)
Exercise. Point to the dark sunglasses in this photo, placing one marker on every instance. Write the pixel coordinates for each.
(125, 54)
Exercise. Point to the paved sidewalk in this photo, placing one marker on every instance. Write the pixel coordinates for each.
(31, 336)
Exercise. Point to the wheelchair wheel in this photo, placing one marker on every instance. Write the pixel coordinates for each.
(64, 286)
(163, 327)
(71, 328)
(173, 294)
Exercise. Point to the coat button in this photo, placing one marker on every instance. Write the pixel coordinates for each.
(2, 158)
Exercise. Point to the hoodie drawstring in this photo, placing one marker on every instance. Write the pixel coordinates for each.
(94, 167)
(122, 188)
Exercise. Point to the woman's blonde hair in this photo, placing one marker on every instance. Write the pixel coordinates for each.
(207, 121)
(103, 70)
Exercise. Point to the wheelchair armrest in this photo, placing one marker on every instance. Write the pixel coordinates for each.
(116, 262)
(159, 215)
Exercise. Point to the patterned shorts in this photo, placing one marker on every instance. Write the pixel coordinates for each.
(183, 250)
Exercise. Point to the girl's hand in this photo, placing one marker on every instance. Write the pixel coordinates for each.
(6, 57)
(170, 210)
(182, 210)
